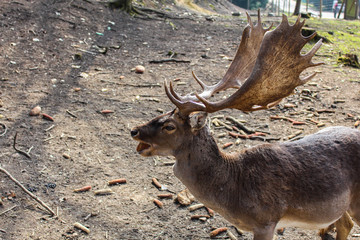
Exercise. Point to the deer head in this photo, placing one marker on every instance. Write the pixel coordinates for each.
(166, 133)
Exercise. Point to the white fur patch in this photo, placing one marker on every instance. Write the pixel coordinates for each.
(284, 223)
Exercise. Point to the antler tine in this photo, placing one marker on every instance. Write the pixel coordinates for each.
(307, 78)
(312, 52)
(310, 37)
(308, 56)
(201, 83)
(174, 99)
(259, 17)
(249, 20)
(207, 91)
(185, 108)
(298, 20)
(260, 22)
(174, 93)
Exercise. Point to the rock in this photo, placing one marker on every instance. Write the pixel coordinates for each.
(84, 75)
(185, 198)
(210, 18)
(35, 111)
(139, 69)
(289, 105)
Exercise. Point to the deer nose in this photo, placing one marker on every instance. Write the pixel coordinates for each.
(134, 132)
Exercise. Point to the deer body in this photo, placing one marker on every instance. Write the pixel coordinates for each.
(288, 184)
(311, 183)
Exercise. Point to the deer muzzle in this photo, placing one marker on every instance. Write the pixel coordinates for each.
(145, 149)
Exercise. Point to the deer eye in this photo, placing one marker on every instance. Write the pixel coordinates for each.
(169, 128)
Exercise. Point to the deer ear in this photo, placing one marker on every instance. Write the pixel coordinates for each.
(197, 120)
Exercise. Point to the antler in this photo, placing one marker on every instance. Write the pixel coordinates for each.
(274, 74)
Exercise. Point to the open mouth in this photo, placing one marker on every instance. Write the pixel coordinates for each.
(144, 149)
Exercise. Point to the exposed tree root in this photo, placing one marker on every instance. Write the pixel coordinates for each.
(140, 12)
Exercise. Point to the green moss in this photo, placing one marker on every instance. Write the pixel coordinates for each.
(212, 7)
(344, 37)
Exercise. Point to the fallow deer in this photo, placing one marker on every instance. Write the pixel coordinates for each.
(311, 183)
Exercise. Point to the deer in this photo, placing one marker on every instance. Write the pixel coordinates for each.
(310, 183)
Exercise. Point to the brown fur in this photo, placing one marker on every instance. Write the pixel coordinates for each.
(311, 182)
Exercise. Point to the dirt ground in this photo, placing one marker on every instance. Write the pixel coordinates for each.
(75, 58)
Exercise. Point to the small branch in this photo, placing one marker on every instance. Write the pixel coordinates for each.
(169, 60)
(71, 114)
(5, 129)
(64, 20)
(8, 210)
(239, 124)
(150, 85)
(49, 138)
(18, 150)
(2, 230)
(28, 192)
(49, 128)
(141, 85)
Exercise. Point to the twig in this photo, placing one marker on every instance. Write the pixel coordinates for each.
(325, 111)
(81, 227)
(169, 60)
(5, 129)
(49, 128)
(8, 210)
(27, 191)
(132, 85)
(239, 124)
(71, 114)
(28, 152)
(18, 150)
(296, 138)
(2, 230)
(64, 20)
(49, 138)
(148, 210)
(86, 51)
(87, 217)
(294, 122)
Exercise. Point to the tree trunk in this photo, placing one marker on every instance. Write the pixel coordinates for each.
(125, 5)
(297, 7)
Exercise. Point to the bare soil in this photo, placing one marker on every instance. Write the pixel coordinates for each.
(75, 58)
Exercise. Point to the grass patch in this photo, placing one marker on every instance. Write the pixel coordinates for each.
(344, 35)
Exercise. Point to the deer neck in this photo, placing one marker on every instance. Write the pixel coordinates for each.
(203, 168)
